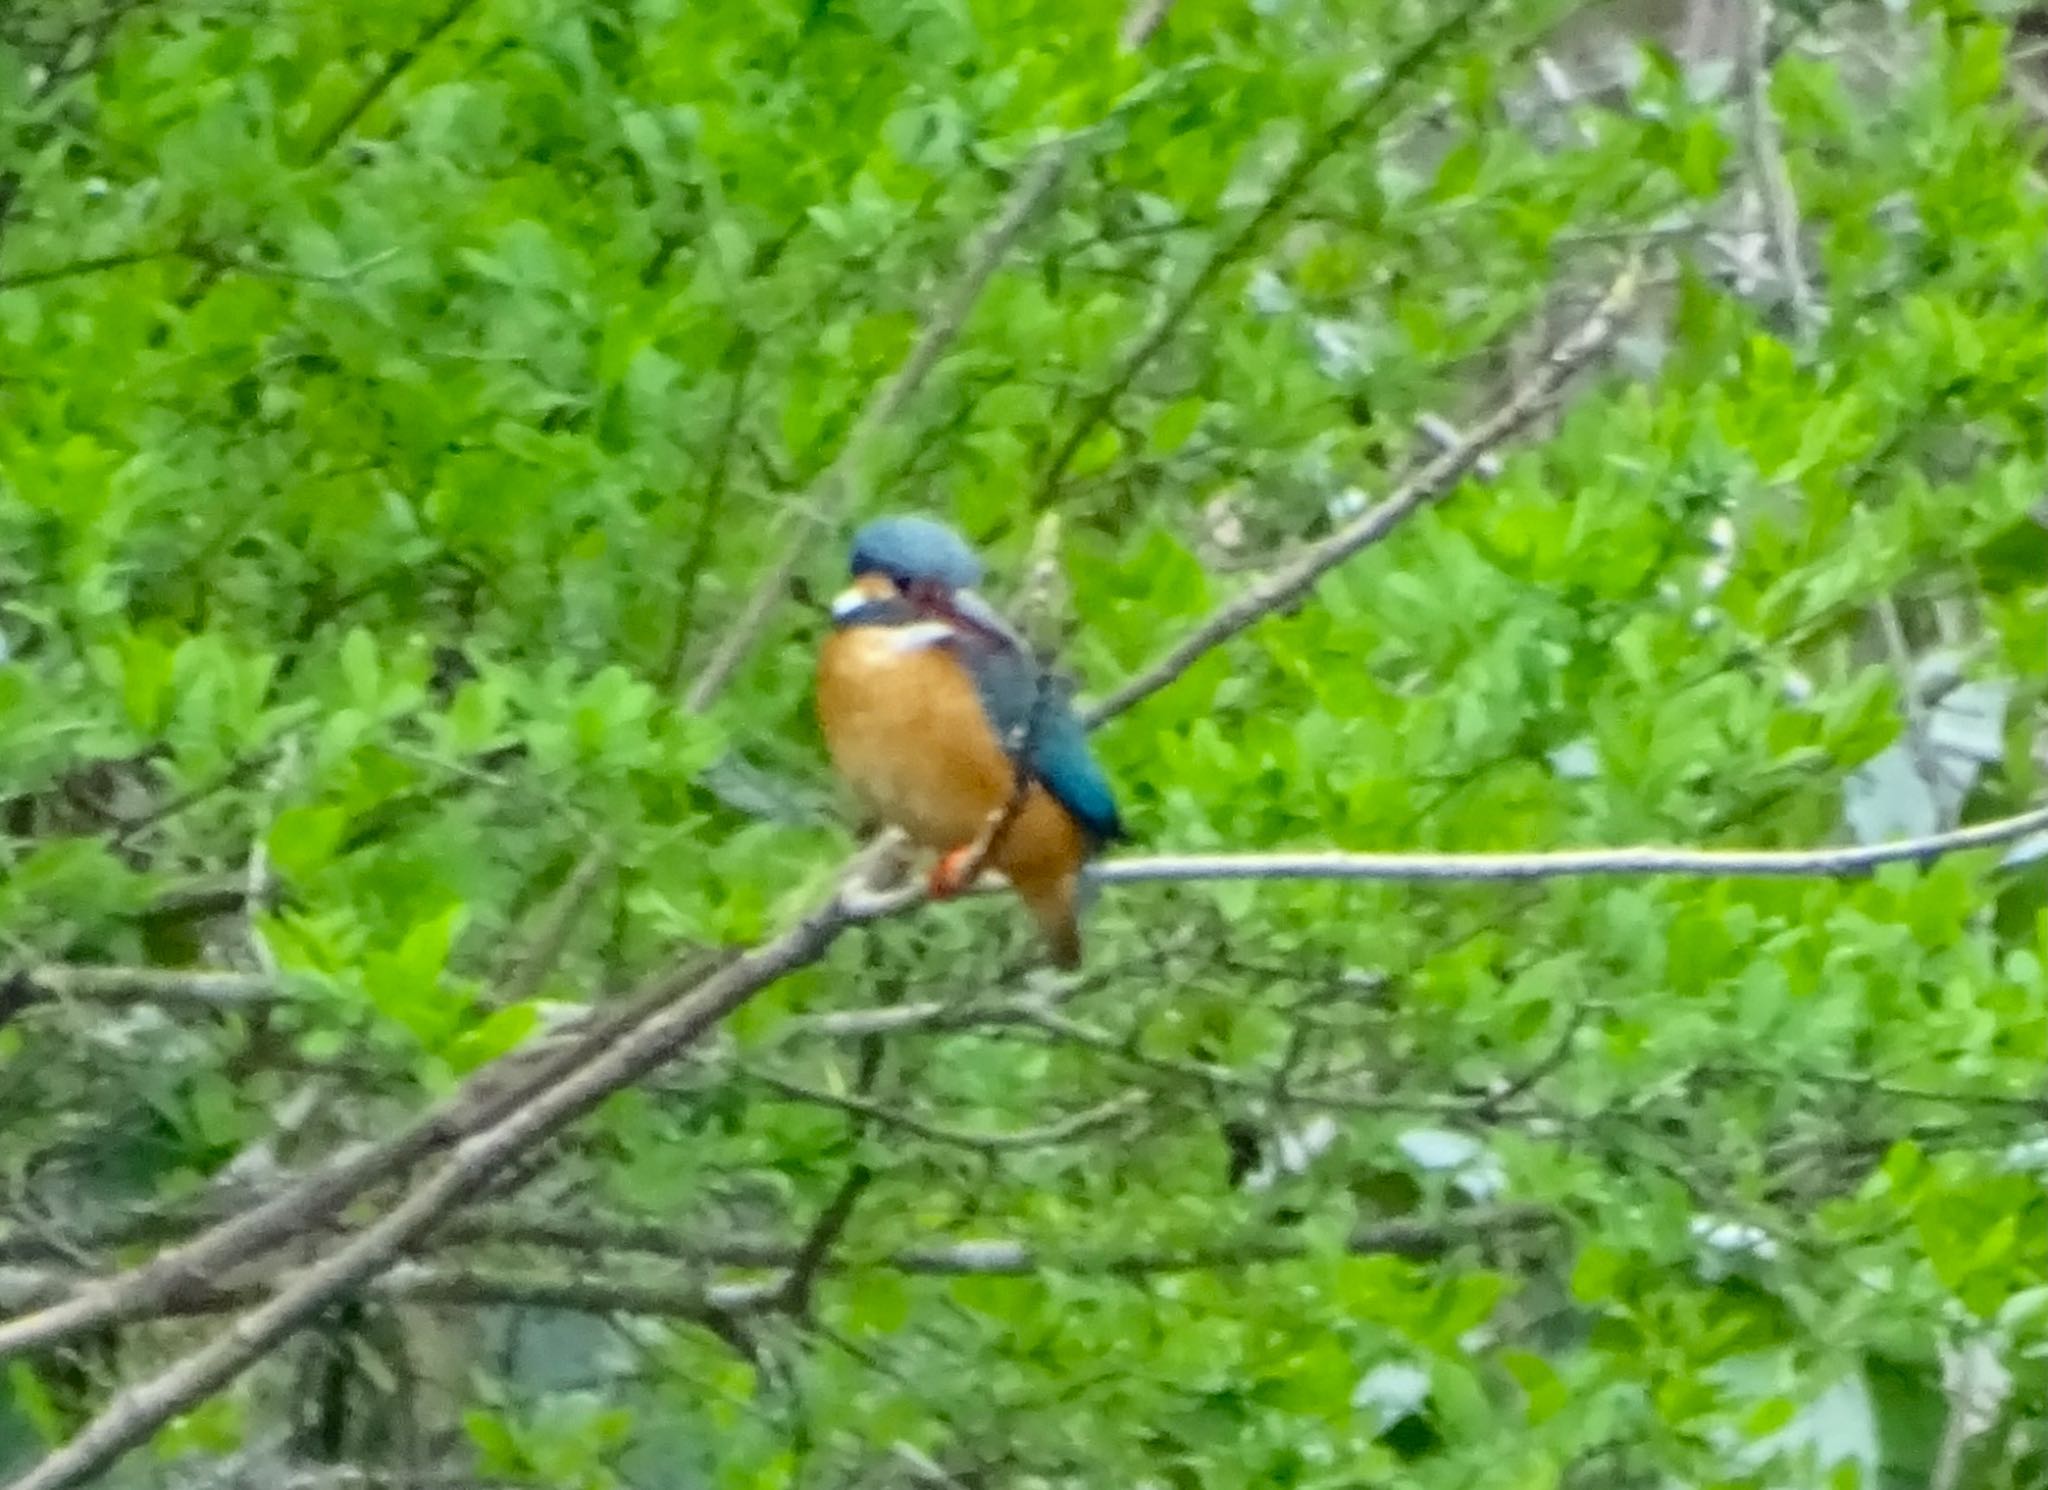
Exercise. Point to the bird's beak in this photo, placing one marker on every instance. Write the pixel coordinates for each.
(849, 600)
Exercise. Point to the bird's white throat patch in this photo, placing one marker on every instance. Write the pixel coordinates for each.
(917, 636)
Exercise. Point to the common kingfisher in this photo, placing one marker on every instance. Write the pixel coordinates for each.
(926, 696)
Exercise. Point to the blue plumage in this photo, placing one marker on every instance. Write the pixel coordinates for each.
(914, 550)
(1009, 686)
(908, 547)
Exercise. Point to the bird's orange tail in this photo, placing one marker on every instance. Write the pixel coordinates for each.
(1053, 906)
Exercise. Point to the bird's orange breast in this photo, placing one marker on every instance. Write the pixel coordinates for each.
(907, 731)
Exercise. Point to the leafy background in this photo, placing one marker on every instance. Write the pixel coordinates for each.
(398, 403)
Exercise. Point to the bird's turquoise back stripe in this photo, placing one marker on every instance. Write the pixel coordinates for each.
(1059, 758)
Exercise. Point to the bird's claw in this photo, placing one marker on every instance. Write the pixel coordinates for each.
(954, 872)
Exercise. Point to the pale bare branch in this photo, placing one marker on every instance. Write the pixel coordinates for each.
(826, 502)
(1641, 862)
(1251, 232)
(1434, 480)
(138, 1412)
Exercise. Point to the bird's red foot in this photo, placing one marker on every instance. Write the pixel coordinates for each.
(951, 875)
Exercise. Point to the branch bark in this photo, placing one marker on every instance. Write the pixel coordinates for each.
(454, 1285)
(825, 503)
(235, 991)
(820, 508)
(500, 1089)
(394, 68)
(193, 990)
(1434, 480)
(464, 1284)
(1638, 862)
(1334, 138)
(138, 1412)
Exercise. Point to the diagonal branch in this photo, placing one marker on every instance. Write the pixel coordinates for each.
(822, 505)
(498, 1090)
(1248, 235)
(536, 961)
(139, 1412)
(1433, 481)
(796, 1289)
(100, 264)
(711, 505)
(394, 68)
(826, 500)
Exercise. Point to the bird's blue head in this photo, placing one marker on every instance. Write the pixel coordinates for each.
(917, 573)
(913, 552)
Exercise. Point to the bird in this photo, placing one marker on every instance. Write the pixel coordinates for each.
(926, 698)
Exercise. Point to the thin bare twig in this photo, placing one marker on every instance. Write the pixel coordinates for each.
(828, 497)
(531, 967)
(1251, 231)
(99, 264)
(394, 68)
(138, 1412)
(717, 485)
(1432, 481)
(815, 1251)
(1061, 1130)
(1633, 862)
(1767, 156)
(1141, 21)
(1005, 1256)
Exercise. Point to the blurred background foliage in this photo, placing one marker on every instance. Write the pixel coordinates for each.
(397, 402)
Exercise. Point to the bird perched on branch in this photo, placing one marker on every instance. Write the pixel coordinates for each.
(929, 700)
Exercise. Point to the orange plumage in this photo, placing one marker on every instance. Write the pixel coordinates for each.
(908, 732)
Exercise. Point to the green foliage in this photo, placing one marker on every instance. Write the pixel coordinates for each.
(393, 420)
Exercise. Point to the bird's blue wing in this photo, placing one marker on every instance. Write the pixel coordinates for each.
(1010, 690)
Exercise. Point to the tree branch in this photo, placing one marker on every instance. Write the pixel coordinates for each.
(499, 1089)
(815, 1251)
(192, 990)
(100, 264)
(1767, 156)
(467, 1285)
(531, 968)
(1140, 22)
(717, 485)
(233, 992)
(822, 505)
(1007, 1257)
(1434, 480)
(1638, 862)
(1060, 1130)
(827, 498)
(394, 68)
(1155, 337)
(456, 1285)
(138, 1412)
